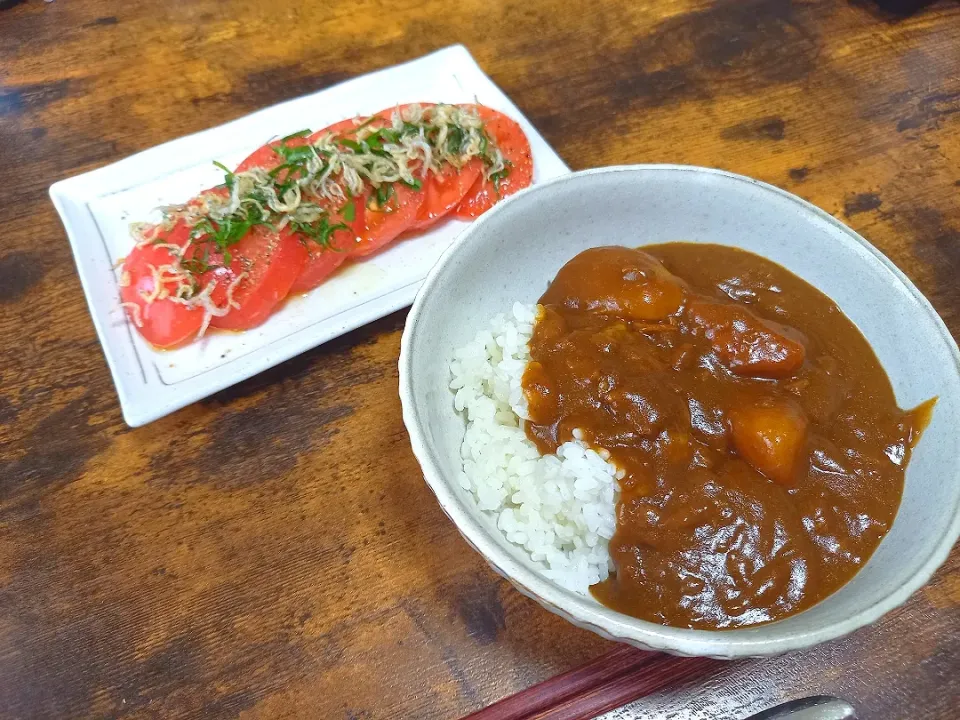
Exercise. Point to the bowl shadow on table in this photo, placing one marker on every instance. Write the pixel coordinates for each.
(893, 10)
(462, 606)
(480, 620)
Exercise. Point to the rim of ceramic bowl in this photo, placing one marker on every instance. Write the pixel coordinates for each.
(743, 642)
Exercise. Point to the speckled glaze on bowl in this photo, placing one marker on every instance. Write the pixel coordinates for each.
(513, 251)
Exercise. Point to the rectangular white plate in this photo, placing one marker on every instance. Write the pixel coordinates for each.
(97, 208)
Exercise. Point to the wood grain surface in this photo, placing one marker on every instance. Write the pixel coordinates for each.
(273, 552)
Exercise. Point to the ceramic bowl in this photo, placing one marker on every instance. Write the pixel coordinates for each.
(513, 251)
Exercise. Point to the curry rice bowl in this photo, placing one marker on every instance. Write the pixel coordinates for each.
(559, 508)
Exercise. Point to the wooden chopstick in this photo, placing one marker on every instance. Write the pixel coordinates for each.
(620, 676)
(657, 674)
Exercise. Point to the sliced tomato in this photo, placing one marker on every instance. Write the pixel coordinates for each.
(341, 129)
(269, 263)
(387, 113)
(323, 261)
(384, 223)
(317, 263)
(267, 157)
(443, 191)
(515, 147)
(320, 264)
(163, 323)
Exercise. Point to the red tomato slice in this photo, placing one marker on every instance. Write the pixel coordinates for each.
(382, 225)
(443, 191)
(266, 156)
(322, 261)
(269, 262)
(341, 129)
(387, 113)
(316, 265)
(163, 323)
(320, 264)
(515, 147)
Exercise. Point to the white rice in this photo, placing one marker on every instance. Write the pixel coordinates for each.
(558, 508)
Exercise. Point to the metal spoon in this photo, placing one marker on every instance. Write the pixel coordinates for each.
(818, 707)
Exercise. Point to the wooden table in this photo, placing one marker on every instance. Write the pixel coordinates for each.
(273, 551)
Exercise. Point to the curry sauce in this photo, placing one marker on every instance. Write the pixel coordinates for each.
(760, 449)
